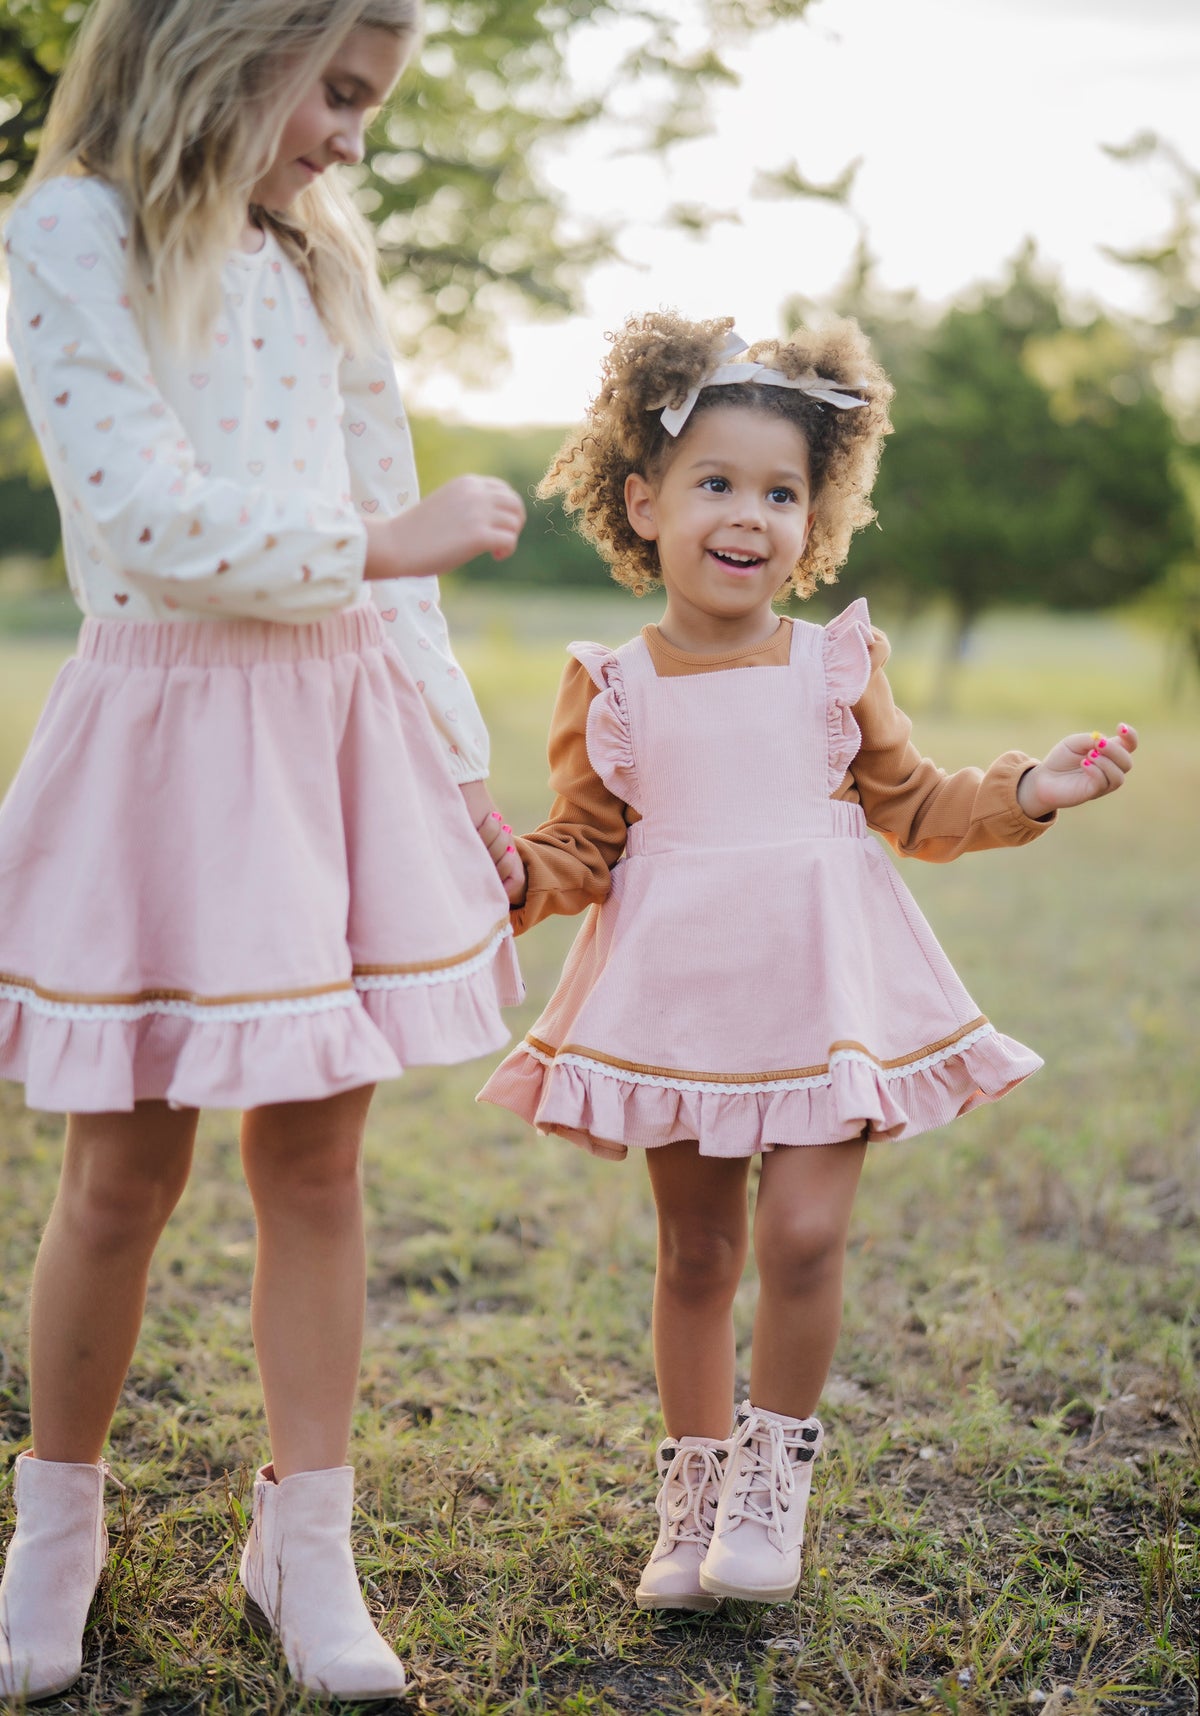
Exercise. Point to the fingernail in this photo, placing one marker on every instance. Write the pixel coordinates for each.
(495, 816)
(507, 829)
(1122, 729)
(1092, 755)
(1087, 763)
(509, 848)
(1100, 744)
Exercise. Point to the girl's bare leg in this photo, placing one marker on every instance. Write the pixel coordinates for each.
(801, 1221)
(702, 1237)
(122, 1175)
(303, 1165)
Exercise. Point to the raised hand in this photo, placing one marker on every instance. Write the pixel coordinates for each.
(467, 516)
(1081, 767)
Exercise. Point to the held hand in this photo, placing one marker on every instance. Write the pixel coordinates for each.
(1081, 767)
(497, 836)
(465, 517)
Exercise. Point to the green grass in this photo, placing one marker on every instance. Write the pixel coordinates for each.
(1008, 1503)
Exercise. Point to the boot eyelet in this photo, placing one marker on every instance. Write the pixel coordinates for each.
(804, 1453)
(809, 1434)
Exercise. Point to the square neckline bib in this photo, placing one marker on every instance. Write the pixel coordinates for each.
(759, 975)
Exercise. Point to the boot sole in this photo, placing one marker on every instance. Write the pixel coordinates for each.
(258, 1623)
(697, 1601)
(747, 1593)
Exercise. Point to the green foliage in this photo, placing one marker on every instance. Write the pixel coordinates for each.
(470, 224)
(551, 554)
(1033, 458)
(28, 515)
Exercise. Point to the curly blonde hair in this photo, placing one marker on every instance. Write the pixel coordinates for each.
(656, 360)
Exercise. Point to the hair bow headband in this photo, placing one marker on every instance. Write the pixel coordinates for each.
(725, 374)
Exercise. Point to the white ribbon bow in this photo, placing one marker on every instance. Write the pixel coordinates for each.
(726, 374)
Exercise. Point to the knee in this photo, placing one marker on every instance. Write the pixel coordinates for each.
(799, 1254)
(118, 1213)
(701, 1263)
(317, 1189)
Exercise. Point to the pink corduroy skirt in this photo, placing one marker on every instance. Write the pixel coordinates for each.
(235, 870)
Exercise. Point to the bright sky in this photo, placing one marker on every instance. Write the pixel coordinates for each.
(979, 122)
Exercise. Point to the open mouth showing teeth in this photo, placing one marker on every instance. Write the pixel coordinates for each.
(743, 562)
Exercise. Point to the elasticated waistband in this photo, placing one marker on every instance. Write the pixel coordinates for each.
(227, 643)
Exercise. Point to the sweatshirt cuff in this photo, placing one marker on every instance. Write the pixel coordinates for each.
(1007, 821)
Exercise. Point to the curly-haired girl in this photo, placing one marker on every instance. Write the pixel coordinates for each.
(752, 978)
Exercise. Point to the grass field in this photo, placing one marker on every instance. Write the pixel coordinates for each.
(1006, 1518)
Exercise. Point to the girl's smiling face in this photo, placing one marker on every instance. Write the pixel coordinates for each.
(730, 514)
(327, 124)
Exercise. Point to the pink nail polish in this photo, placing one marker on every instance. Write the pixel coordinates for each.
(509, 848)
(1122, 729)
(1087, 763)
(495, 816)
(1102, 744)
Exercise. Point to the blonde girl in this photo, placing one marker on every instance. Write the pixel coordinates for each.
(752, 981)
(241, 864)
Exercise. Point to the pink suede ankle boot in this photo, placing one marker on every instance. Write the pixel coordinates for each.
(51, 1572)
(758, 1534)
(689, 1473)
(301, 1585)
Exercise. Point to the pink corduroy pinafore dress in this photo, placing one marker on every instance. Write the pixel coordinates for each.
(759, 975)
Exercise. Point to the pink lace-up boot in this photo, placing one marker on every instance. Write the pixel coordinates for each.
(759, 1529)
(689, 1471)
(301, 1585)
(51, 1572)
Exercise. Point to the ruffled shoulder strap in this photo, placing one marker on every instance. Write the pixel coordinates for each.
(609, 741)
(846, 652)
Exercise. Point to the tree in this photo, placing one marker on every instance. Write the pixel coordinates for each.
(1171, 337)
(1032, 461)
(470, 224)
(28, 515)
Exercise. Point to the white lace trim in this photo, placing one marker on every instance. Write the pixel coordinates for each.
(818, 1081)
(129, 1012)
(444, 974)
(242, 1012)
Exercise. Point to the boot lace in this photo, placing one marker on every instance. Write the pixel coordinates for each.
(765, 1458)
(687, 1501)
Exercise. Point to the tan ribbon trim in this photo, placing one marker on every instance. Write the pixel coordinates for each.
(432, 964)
(754, 1077)
(143, 997)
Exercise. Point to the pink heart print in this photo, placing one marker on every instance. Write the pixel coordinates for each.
(388, 614)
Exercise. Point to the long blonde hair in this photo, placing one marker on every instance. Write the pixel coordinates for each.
(180, 105)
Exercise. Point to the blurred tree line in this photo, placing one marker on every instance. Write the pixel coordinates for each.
(1041, 455)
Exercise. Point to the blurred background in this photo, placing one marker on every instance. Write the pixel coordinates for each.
(1006, 195)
